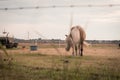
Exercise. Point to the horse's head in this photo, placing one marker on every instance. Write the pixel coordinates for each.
(68, 42)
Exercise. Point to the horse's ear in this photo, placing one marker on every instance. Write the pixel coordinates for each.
(66, 35)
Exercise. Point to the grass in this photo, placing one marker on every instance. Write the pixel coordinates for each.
(38, 66)
(57, 69)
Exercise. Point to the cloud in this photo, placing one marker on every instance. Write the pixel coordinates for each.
(115, 13)
(108, 17)
(101, 16)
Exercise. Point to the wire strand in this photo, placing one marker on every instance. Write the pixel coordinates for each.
(61, 6)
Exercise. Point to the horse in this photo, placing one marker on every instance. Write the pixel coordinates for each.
(75, 40)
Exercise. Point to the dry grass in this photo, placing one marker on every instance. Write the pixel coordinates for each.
(100, 62)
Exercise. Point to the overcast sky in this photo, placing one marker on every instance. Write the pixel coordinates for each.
(100, 23)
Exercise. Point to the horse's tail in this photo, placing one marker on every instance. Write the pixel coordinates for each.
(86, 44)
(82, 34)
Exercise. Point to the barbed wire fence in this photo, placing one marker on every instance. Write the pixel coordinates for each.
(61, 6)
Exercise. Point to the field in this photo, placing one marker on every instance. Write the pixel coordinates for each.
(52, 62)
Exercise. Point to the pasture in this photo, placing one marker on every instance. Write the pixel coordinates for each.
(99, 62)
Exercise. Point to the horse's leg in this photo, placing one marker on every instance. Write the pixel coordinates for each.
(76, 49)
(82, 49)
(79, 49)
(73, 50)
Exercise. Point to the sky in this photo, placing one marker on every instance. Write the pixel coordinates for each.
(100, 23)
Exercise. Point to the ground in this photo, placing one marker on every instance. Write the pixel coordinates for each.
(52, 62)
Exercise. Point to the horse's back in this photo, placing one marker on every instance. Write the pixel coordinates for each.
(78, 34)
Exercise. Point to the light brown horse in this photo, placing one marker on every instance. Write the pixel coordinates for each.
(75, 40)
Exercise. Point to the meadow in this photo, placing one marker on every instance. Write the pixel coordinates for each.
(99, 62)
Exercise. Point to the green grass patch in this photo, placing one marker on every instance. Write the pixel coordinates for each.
(37, 66)
(20, 72)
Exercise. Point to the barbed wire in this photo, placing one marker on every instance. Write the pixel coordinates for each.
(61, 6)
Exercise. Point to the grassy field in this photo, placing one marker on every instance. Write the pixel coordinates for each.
(100, 62)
